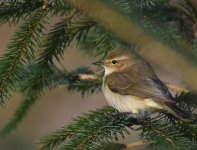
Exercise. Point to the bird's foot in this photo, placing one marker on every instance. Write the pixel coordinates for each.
(130, 117)
(143, 116)
(120, 114)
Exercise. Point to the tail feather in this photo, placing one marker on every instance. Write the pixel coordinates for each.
(179, 113)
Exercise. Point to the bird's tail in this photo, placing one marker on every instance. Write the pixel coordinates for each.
(179, 113)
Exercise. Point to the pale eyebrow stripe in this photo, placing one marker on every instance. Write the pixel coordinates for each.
(123, 57)
(118, 58)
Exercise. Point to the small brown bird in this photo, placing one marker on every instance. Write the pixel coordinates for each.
(130, 85)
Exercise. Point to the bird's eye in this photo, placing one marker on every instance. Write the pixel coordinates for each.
(114, 61)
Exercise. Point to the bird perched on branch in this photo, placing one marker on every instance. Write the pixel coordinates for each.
(131, 86)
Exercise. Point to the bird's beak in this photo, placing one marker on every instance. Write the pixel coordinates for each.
(100, 63)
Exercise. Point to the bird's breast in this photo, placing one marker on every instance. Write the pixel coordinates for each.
(129, 103)
(123, 103)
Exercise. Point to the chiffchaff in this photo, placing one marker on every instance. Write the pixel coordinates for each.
(130, 85)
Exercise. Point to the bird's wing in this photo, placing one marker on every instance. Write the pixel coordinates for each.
(141, 83)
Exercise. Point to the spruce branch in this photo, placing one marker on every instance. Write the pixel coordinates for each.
(162, 135)
(13, 11)
(37, 79)
(122, 6)
(79, 29)
(72, 80)
(145, 3)
(76, 82)
(99, 43)
(62, 8)
(31, 87)
(188, 100)
(61, 36)
(95, 129)
(165, 21)
(113, 146)
(20, 52)
(54, 45)
(42, 74)
(87, 132)
(104, 43)
(135, 144)
(185, 15)
(137, 36)
(120, 146)
(151, 19)
(188, 129)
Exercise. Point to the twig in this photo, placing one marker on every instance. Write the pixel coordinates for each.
(135, 144)
(87, 76)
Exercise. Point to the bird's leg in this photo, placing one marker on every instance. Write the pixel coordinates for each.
(142, 116)
(117, 116)
(134, 118)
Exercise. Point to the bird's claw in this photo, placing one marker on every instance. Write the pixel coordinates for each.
(131, 118)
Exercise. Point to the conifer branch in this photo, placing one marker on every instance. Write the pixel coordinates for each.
(188, 129)
(151, 19)
(99, 43)
(98, 128)
(13, 11)
(19, 52)
(53, 46)
(31, 87)
(137, 36)
(161, 135)
(61, 8)
(158, 132)
(135, 144)
(56, 41)
(101, 130)
(61, 36)
(120, 146)
(112, 146)
(104, 44)
(187, 98)
(37, 81)
(85, 87)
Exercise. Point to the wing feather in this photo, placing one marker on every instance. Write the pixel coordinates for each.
(141, 83)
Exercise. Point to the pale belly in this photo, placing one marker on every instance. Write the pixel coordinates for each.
(127, 103)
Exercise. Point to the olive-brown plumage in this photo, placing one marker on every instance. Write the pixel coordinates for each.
(130, 85)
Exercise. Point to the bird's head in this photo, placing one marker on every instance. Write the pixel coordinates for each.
(116, 61)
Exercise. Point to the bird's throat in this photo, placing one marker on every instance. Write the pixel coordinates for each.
(109, 71)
